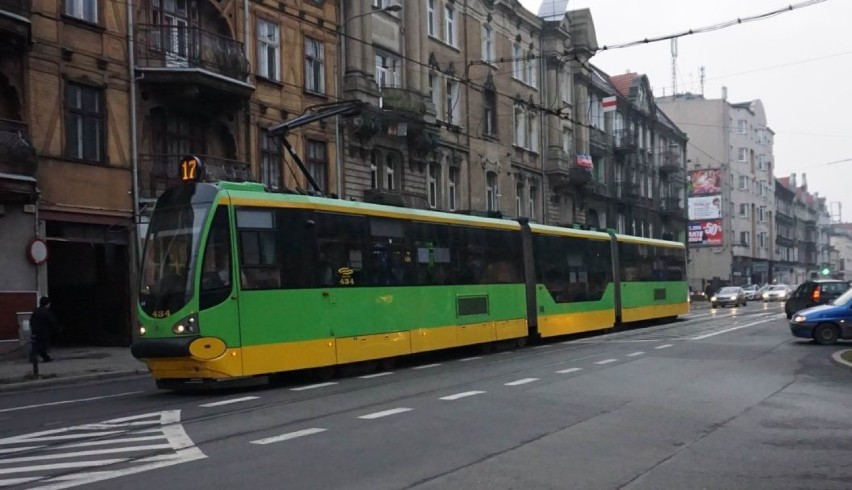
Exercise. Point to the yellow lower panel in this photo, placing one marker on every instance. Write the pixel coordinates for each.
(653, 311)
(288, 356)
(568, 323)
(428, 339)
(475, 333)
(511, 329)
(227, 366)
(362, 348)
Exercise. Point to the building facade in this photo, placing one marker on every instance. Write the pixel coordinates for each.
(731, 195)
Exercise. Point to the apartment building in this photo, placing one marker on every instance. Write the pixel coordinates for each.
(731, 196)
(841, 241)
(100, 101)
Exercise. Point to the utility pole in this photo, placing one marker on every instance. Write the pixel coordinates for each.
(674, 66)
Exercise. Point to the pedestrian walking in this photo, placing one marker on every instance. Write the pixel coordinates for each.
(42, 323)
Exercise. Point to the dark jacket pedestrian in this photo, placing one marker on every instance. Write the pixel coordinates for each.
(42, 323)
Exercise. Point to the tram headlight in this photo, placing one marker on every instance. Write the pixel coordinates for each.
(142, 331)
(187, 325)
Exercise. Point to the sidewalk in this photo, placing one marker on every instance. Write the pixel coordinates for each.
(69, 365)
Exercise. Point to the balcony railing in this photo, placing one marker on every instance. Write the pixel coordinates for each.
(185, 47)
(159, 172)
(17, 154)
(671, 205)
(624, 140)
(17, 7)
(404, 100)
(670, 161)
(598, 138)
(627, 190)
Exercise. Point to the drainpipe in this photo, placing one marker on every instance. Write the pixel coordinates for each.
(338, 78)
(247, 106)
(542, 127)
(134, 158)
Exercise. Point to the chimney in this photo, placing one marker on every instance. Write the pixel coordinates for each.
(804, 180)
(793, 180)
(724, 92)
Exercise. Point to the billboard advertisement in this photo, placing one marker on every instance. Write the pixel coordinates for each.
(705, 233)
(705, 182)
(705, 207)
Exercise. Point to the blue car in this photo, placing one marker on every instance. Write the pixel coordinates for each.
(825, 323)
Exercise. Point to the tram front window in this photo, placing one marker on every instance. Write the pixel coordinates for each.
(170, 254)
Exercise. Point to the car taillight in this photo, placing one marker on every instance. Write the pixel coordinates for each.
(816, 294)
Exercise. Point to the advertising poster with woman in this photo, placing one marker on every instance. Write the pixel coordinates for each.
(705, 182)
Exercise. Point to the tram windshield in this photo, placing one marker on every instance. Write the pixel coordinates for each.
(171, 248)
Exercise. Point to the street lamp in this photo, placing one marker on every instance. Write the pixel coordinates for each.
(341, 62)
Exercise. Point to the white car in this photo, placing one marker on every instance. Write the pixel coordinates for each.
(751, 292)
(777, 292)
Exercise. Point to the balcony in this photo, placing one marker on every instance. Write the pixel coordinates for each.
(159, 172)
(599, 140)
(192, 57)
(17, 155)
(15, 17)
(628, 191)
(623, 141)
(408, 102)
(671, 205)
(564, 174)
(670, 162)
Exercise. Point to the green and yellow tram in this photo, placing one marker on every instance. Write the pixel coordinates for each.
(239, 282)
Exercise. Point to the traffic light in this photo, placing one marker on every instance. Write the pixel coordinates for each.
(825, 271)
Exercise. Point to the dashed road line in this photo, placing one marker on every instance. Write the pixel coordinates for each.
(634, 354)
(702, 337)
(313, 387)
(664, 346)
(228, 402)
(461, 395)
(606, 361)
(426, 366)
(385, 413)
(377, 375)
(522, 381)
(569, 370)
(65, 402)
(288, 436)
(470, 358)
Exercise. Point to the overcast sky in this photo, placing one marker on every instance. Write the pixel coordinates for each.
(797, 63)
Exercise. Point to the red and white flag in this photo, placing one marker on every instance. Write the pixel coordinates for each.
(608, 103)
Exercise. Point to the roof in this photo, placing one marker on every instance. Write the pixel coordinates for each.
(623, 82)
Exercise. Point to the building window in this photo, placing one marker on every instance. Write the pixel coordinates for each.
(268, 46)
(531, 76)
(84, 122)
(314, 66)
(761, 214)
(270, 160)
(531, 203)
(82, 9)
(491, 191)
(378, 4)
(374, 170)
(490, 113)
(742, 154)
(565, 86)
(453, 110)
(450, 25)
(517, 61)
(742, 126)
(434, 178)
(532, 131)
(430, 17)
(317, 163)
(452, 185)
(567, 140)
(487, 43)
(519, 199)
(390, 172)
(387, 70)
(745, 238)
(744, 210)
(435, 95)
(520, 127)
(743, 182)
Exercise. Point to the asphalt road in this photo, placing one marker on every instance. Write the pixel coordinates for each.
(718, 399)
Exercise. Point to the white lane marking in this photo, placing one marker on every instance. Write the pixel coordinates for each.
(522, 381)
(8, 482)
(228, 402)
(291, 435)
(634, 354)
(462, 395)
(377, 375)
(542, 346)
(62, 466)
(470, 358)
(706, 336)
(313, 387)
(18, 449)
(64, 402)
(664, 346)
(114, 441)
(385, 413)
(569, 370)
(607, 361)
(427, 366)
(93, 452)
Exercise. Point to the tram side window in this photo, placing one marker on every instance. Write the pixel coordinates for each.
(338, 256)
(433, 265)
(573, 269)
(639, 262)
(295, 231)
(389, 259)
(672, 262)
(259, 257)
(216, 267)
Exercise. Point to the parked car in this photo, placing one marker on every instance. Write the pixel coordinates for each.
(777, 292)
(813, 293)
(825, 323)
(751, 291)
(731, 295)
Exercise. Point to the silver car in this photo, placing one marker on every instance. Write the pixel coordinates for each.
(731, 295)
(777, 292)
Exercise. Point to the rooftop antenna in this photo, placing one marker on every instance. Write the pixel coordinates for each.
(674, 66)
(702, 81)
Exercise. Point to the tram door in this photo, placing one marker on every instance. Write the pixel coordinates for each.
(219, 312)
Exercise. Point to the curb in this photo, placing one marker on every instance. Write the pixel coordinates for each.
(838, 359)
(62, 380)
